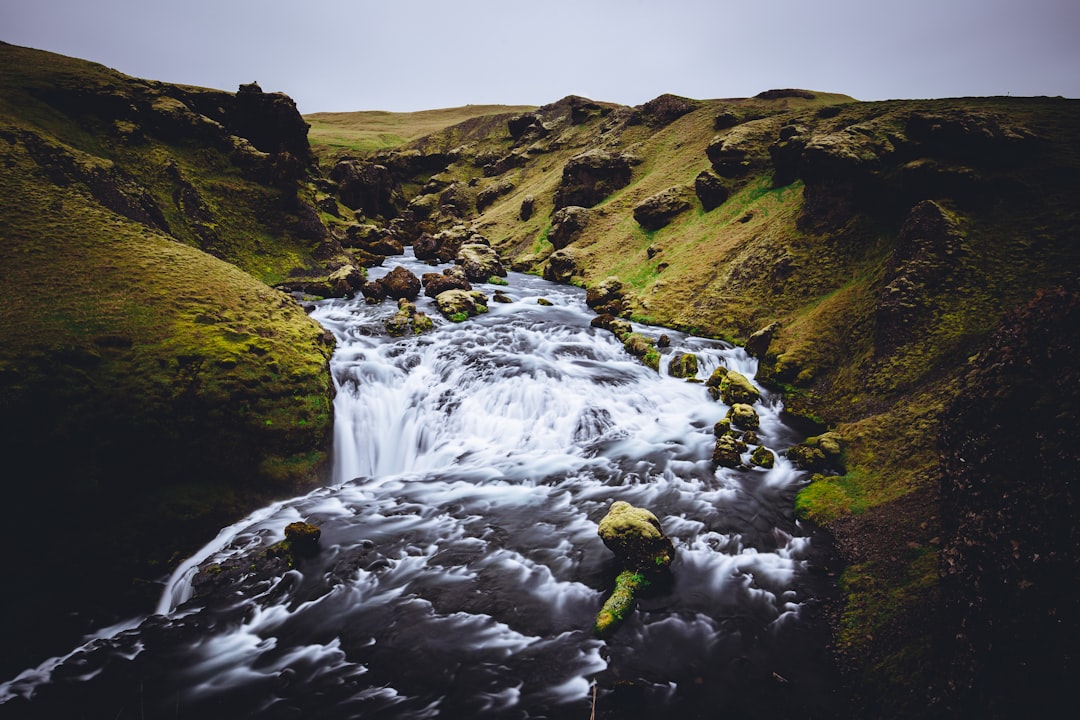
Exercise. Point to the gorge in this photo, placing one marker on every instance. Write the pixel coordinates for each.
(901, 274)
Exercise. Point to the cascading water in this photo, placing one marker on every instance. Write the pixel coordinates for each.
(460, 568)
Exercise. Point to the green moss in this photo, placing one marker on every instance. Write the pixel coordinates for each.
(620, 602)
(458, 317)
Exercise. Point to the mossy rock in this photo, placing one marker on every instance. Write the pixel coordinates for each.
(726, 452)
(744, 416)
(634, 535)
(763, 457)
(683, 365)
(620, 602)
(735, 388)
(643, 348)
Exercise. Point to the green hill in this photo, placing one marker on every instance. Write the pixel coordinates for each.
(152, 385)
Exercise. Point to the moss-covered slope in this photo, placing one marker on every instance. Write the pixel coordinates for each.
(886, 240)
(152, 386)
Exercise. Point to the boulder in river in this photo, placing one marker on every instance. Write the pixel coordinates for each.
(459, 305)
(400, 283)
(634, 535)
(735, 389)
(744, 416)
(683, 365)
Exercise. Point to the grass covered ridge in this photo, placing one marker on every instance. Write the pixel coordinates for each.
(152, 386)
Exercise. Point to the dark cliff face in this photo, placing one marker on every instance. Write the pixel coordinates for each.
(1011, 506)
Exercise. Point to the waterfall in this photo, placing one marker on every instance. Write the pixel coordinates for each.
(460, 567)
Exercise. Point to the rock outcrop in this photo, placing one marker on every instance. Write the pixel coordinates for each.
(591, 176)
(658, 210)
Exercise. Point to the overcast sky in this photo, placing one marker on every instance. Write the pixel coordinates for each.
(408, 55)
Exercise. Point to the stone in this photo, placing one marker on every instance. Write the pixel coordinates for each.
(711, 190)
(757, 345)
(683, 365)
(660, 209)
(567, 224)
(426, 247)
(635, 536)
(735, 388)
(620, 602)
(664, 110)
(438, 283)
(618, 327)
(744, 416)
(368, 187)
(303, 538)
(763, 457)
(459, 305)
(400, 283)
(607, 297)
(480, 262)
(726, 452)
(528, 204)
(374, 292)
(742, 149)
(642, 348)
(562, 266)
(591, 176)
(806, 457)
(408, 321)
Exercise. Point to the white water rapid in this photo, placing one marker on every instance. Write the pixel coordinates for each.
(460, 568)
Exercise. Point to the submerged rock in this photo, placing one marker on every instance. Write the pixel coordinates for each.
(620, 602)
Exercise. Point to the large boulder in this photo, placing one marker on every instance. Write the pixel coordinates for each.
(606, 298)
(735, 388)
(562, 265)
(401, 283)
(459, 305)
(480, 262)
(757, 345)
(742, 149)
(635, 536)
(683, 365)
(437, 283)
(710, 190)
(660, 209)
(591, 176)
(567, 224)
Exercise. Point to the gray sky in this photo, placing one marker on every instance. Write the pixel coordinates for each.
(422, 54)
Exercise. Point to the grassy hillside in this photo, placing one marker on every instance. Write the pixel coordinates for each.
(152, 385)
(365, 131)
(886, 240)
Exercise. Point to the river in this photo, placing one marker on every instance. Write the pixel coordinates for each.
(460, 569)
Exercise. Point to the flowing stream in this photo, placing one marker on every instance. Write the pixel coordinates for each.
(460, 569)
